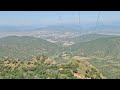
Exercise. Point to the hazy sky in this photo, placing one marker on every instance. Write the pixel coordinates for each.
(52, 17)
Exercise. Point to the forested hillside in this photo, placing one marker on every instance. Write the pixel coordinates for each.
(104, 54)
(42, 67)
(25, 47)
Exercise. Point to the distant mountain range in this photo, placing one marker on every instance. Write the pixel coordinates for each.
(63, 28)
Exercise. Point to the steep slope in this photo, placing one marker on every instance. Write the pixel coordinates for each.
(104, 53)
(25, 47)
(42, 67)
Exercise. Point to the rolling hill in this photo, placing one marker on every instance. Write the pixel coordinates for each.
(104, 54)
(102, 47)
(25, 47)
(103, 51)
(88, 37)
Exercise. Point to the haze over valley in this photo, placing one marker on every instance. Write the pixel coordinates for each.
(82, 49)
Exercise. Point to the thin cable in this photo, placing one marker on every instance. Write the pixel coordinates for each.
(79, 16)
(59, 15)
(60, 18)
(79, 13)
(97, 20)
